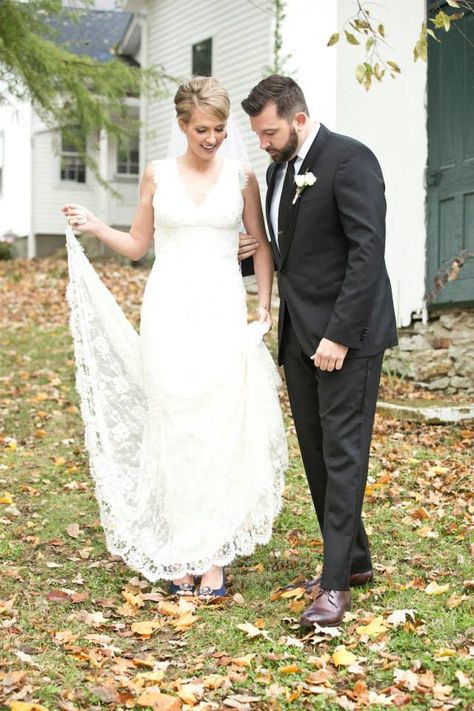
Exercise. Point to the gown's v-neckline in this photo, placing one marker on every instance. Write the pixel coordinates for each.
(188, 195)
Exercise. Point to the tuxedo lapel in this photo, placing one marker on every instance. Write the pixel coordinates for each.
(309, 163)
(271, 176)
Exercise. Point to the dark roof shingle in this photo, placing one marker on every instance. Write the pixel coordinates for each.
(91, 32)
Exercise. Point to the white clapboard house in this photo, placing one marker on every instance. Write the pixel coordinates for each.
(39, 171)
(420, 125)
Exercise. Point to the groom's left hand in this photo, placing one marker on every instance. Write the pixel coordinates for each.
(247, 246)
(329, 355)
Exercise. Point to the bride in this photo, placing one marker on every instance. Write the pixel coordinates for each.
(183, 426)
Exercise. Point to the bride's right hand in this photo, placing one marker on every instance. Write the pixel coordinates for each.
(79, 218)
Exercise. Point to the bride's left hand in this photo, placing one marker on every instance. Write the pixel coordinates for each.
(265, 316)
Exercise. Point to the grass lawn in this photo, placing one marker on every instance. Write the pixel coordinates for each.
(78, 630)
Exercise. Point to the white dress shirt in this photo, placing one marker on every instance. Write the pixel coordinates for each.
(280, 177)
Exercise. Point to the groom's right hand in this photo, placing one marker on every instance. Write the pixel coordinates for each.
(247, 246)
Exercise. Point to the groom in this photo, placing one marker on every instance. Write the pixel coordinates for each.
(327, 230)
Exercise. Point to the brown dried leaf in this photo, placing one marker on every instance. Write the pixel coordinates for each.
(73, 530)
(159, 701)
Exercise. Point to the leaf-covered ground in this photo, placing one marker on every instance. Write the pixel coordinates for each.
(78, 630)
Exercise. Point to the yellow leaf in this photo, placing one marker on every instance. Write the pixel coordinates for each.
(145, 628)
(6, 498)
(342, 657)
(24, 706)
(426, 532)
(156, 676)
(127, 610)
(434, 589)
(333, 39)
(39, 434)
(296, 606)
(374, 629)
(213, 681)
(159, 701)
(64, 637)
(148, 663)
(185, 621)
(443, 653)
(170, 609)
(191, 693)
(41, 397)
(251, 630)
(296, 592)
(289, 669)
(243, 661)
(6, 605)
(132, 600)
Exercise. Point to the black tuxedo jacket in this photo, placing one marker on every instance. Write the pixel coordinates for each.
(332, 277)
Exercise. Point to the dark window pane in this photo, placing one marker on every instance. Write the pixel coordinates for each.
(202, 58)
(128, 156)
(72, 165)
(73, 168)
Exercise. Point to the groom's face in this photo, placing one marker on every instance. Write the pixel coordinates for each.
(277, 136)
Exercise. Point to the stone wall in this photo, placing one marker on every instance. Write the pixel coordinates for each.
(438, 355)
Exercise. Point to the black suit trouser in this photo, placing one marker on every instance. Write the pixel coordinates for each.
(334, 415)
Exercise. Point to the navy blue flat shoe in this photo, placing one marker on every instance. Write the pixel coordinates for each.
(182, 589)
(207, 593)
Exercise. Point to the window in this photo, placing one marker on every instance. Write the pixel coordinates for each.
(202, 58)
(73, 167)
(2, 153)
(128, 156)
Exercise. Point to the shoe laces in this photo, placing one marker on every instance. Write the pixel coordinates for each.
(329, 594)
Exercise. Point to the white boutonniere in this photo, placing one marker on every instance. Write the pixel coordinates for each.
(303, 181)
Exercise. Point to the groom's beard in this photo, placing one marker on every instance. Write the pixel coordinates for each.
(288, 150)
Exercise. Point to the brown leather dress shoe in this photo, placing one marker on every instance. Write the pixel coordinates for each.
(355, 580)
(328, 608)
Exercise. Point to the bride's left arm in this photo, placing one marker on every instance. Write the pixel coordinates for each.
(252, 218)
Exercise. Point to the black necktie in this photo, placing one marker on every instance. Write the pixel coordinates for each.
(287, 190)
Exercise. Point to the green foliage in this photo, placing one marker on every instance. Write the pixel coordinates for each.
(78, 94)
(6, 250)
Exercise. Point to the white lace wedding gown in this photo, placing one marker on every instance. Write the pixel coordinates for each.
(183, 425)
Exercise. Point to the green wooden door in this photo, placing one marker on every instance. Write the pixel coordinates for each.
(451, 159)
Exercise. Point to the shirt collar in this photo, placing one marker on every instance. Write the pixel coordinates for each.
(303, 151)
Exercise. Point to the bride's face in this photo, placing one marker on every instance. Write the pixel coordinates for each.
(204, 133)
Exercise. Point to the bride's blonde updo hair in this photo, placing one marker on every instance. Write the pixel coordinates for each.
(204, 93)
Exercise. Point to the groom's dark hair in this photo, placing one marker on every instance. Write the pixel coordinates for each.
(282, 91)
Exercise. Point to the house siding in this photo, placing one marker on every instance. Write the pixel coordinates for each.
(50, 193)
(391, 120)
(242, 49)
